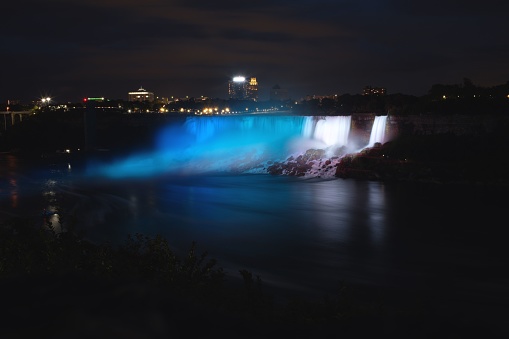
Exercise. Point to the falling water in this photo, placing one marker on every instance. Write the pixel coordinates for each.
(231, 143)
(332, 130)
(378, 131)
(258, 127)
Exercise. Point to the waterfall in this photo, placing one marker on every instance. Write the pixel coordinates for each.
(232, 143)
(330, 130)
(378, 131)
(333, 130)
(207, 127)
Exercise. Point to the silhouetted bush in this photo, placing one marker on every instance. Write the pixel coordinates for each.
(44, 272)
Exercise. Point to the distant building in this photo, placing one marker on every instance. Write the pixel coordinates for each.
(278, 94)
(237, 88)
(141, 95)
(162, 100)
(240, 88)
(97, 99)
(13, 102)
(321, 97)
(368, 90)
(252, 89)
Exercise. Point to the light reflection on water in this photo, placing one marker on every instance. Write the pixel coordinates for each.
(306, 233)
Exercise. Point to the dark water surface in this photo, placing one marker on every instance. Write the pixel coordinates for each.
(447, 242)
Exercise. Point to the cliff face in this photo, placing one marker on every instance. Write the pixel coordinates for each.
(456, 124)
(425, 125)
(452, 149)
(440, 158)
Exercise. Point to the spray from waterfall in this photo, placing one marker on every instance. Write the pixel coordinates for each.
(235, 144)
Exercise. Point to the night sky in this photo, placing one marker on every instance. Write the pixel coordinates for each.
(71, 49)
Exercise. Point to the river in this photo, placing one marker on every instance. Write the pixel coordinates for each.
(303, 235)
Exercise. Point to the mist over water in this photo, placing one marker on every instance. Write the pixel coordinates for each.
(200, 182)
(300, 234)
(233, 144)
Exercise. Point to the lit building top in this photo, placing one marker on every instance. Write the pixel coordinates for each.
(240, 88)
(141, 95)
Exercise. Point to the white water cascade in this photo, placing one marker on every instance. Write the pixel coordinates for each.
(378, 131)
(331, 130)
(237, 143)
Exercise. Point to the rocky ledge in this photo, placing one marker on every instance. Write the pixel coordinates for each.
(427, 158)
(312, 163)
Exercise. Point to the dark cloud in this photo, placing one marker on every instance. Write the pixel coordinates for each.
(450, 8)
(109, 47)
(244, 34)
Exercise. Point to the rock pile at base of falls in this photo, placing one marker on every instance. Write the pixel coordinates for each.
(312, 163)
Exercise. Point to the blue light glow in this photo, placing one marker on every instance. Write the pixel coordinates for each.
(229, 144)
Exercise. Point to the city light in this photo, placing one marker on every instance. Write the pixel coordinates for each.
(239, 79)
(45, 101)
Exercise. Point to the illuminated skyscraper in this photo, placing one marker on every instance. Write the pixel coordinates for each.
(240, 88)
(237, 88)
(252, 89)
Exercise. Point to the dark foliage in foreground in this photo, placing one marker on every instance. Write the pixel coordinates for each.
(58, 284)
(38, 257)
(27, 250)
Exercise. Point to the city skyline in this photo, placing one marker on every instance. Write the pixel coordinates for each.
(74, 49)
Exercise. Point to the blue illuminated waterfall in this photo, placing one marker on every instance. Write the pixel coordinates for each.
(331, 130)
(236, 144)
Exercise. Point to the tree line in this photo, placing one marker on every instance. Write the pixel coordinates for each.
(465, 98)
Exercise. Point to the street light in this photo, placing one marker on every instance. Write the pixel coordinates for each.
(46, 100)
